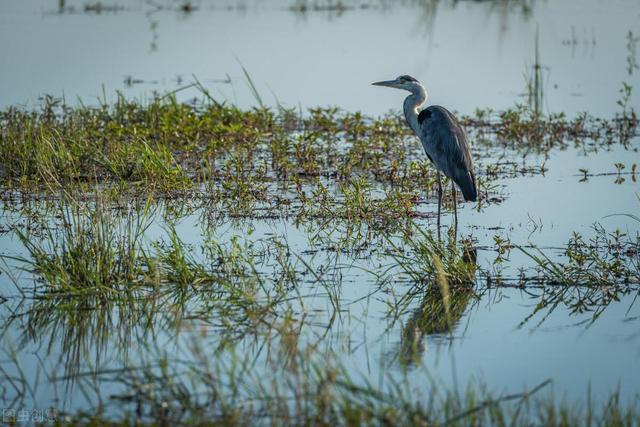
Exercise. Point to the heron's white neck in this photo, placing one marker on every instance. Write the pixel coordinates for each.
(412, 104)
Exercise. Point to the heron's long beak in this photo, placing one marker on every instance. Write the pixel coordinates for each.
(387, 83)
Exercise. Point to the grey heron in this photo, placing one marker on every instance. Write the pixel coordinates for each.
(442, 137)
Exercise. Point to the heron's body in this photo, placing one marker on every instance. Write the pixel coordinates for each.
(443, 139)
(446, 145)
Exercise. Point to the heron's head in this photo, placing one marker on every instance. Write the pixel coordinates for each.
(403, 82)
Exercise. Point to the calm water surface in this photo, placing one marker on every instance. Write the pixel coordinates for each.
(470, 55)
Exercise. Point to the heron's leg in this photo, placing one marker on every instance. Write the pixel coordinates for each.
(439, 199)
(455, 202)
(455, 208)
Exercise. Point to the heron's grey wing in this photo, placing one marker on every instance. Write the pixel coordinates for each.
(445, 142)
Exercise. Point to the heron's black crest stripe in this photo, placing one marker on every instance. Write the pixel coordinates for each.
(409, 78)
(424, 115)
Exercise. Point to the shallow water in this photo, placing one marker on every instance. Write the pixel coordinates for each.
(584, 53)
(492, 343)
(469, 54)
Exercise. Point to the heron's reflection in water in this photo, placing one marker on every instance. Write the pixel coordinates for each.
(439, 312)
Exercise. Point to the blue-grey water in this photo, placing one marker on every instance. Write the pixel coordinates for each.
(470, 55)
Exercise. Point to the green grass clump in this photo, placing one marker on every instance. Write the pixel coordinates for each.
(605, 260)
(427, 259)
(590, 276)
(357, 202)
(91, 251)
